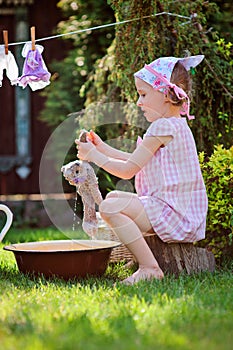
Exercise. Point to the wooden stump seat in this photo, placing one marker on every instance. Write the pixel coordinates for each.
(175, 258)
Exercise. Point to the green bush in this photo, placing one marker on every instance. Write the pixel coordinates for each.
(218, 176)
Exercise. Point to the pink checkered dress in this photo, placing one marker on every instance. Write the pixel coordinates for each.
(171, 187)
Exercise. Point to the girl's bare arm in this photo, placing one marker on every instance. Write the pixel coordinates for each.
(126, 168)
(106, 149)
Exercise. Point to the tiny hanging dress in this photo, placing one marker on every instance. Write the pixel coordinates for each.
(8, 63)
(35, 73)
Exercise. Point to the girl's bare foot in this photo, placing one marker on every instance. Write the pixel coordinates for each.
(144, 273)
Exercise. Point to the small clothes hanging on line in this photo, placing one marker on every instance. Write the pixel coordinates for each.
(7, 62)
(35, 73)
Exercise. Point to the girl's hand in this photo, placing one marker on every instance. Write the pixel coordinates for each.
(94, 138)
(86, 150)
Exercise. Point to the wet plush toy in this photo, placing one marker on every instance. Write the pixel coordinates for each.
(81, 174)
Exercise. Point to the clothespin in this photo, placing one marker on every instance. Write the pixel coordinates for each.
(33, 38)
(5, 39)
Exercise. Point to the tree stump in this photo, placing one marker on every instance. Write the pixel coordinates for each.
(175, 258)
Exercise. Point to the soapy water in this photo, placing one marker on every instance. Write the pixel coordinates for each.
(75, 220)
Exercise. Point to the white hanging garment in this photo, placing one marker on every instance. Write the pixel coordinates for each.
(7, 62)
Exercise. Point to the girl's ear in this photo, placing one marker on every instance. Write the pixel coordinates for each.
(166, 99)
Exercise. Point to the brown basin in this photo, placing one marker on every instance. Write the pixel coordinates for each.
(65, 259)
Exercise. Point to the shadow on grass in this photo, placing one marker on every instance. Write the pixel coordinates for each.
(173, 287)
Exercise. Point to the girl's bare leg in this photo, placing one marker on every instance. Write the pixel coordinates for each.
(125, 214)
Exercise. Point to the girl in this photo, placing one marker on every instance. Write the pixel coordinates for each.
(170, 197)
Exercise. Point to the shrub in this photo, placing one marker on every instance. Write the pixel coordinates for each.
(218, 176)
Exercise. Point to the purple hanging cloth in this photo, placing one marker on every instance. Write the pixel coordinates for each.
(35, 73)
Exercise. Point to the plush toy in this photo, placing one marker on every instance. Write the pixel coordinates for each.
(81, 174)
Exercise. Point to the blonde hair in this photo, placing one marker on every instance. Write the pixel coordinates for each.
(180, 76)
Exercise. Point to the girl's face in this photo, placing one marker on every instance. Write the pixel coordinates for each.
(152, 102)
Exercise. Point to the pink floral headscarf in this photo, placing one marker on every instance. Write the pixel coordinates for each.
(158, 74)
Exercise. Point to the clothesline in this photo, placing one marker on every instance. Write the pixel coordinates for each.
(37, 85)
(108, 25)
(35, 73)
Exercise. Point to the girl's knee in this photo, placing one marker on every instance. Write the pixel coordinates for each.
(107, 207)
(112, 194)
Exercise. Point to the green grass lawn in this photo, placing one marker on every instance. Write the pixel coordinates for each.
(189, 312)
